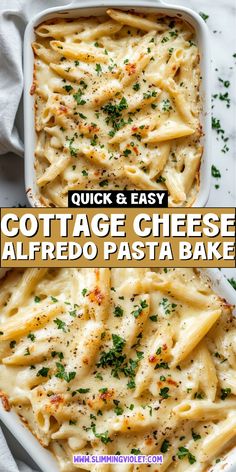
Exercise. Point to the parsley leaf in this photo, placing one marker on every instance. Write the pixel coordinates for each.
(118, 311)
(204, 16)
(68, 88)
(215, 172)
(164, 392)
(139, 309)
(165, 446)
(184, 452)
(62, 374)
(60, 324)
(43, 372)
(225, 392)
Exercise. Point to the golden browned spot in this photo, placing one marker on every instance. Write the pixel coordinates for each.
(96, 296)
(56, 399)
(63, 109)
(107, 395)
(5, 401)
(152, 359)
(130, 68)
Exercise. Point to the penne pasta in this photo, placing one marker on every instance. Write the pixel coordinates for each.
(117, 101)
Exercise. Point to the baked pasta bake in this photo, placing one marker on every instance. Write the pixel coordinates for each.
(120, 361)
(117, 106)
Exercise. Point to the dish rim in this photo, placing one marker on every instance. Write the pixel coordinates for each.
(73, 8)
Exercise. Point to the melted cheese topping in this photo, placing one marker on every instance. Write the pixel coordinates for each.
(117, 106)
(100, 361)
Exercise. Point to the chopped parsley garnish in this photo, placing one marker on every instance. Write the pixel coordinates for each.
(199, 395)
(43, 372)
(195, 436)
(60, 324)
(103, 389)
(117, 360)
(37, 299)
(31, 336)
(62, 374)
(103, 436)
(226, 83)
(215, 172)
(84, 173)
(27, 352)
(225, 392)
(13, 344)
(114, 113)
(150, 94)
(115, 357)
(136, 87)
(68, 88)
(162, 365)
(139, 308)
(82, 116)
(84, 291)
(54, 299)
(131, 384)
(215, 123)
(126, 152)
(118, 311)
(98, 69)
(83, 390)
(140, 354)
(98, 376)
(72, 422)
(103, 183)
(118, 410)
(164, 392)
(183, 453)
(165, 39)
(166, 105)
(72, 149)
(167, 306)
(224, 97)
(173, 34)
(204, 15)
(165, 446)
(78, 97)
(160, 180)
(153, 318)
(59, 354)
(136, 452)
(232, 282)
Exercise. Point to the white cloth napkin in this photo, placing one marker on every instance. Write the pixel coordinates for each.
(7, 463)
(14, 15)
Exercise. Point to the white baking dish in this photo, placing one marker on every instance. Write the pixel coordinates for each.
(85, 8)
(44, 458)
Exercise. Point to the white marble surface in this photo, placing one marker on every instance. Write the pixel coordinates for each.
(222, 24)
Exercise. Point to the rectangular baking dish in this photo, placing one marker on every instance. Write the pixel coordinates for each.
(45, 460)
(83, 9)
